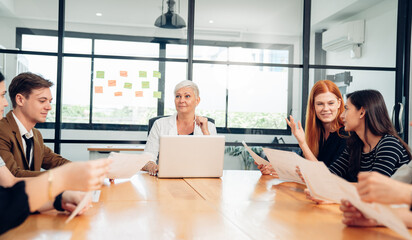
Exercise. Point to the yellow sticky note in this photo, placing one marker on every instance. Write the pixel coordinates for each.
(138, 93)
(157, 74)
(128, 85)
(123, 73)
(142, 74)
(118, 94)
(157, 94)
(100, 74)
(111, 83)
(145, 84)
(98, 89)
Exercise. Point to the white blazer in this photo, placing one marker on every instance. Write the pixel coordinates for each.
(167, 126)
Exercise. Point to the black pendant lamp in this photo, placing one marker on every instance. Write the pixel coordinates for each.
(170, 19)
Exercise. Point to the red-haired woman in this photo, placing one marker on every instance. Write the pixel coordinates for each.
(324, 139)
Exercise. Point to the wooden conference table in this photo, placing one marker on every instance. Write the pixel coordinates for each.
(240, 205)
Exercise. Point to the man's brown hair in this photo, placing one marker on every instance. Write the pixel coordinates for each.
(24, 83)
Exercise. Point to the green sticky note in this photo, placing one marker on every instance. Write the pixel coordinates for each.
(157, 94)
(142, 74)
(145, 84)
(128, 85)
(157, 74)
(100, 74)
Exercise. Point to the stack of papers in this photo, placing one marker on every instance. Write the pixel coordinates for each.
(326, 186)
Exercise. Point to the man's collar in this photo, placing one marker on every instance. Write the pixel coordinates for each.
(22, 129)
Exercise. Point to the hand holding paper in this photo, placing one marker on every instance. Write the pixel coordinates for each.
(285, 163)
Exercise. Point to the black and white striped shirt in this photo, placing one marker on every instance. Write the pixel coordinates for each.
(386, 157)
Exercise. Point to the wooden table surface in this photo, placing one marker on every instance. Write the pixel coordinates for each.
(240, 205)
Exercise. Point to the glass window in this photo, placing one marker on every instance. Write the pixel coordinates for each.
(76, 85)
(210, 53)
(176, 51)
(125, 91)
(212, 82)
(39, 43)
(354, 33)
(123, 48)
(77, 45)
(258, 97)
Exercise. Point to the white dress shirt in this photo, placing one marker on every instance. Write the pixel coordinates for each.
(23, 131)
(167, 126)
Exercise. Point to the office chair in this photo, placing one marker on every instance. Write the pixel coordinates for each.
(152, 120)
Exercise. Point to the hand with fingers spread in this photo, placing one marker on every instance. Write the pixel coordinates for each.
(202, 123)
(353, 217)
(297, 130)
(375, 187)
(151, 167)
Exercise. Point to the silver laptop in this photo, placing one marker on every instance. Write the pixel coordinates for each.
(191, 156)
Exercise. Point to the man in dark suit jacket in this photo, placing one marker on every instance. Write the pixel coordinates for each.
(21, 145)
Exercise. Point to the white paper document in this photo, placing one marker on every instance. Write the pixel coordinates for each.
(126, 165)
(381, 213)
(81, 205)
(321, 182)
(255, 157)
(96, 196)
(324, 185)
(284, 163)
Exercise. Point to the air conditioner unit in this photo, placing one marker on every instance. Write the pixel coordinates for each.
(344, 36)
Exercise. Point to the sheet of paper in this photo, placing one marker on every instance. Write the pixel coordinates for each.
(157, 94)
(145, 84)
(284, 163)
(381, 213)
(128, 85)
(111, 83)
(123, 73)
(81, 205)
(321, 182)
(126, 165)
(99, 74)
(142, 74)
(98, 89)
(96, 196)
(138, 93)
(157, 74)
(257, 158)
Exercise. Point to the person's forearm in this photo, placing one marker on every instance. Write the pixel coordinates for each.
(38, 188)
(46, 207)
(307, 153)
(405, 193)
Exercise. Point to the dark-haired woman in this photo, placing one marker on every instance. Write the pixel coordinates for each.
(374, 144)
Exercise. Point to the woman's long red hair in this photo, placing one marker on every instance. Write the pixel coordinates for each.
(313, 125)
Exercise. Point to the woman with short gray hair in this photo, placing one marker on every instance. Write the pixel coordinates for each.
(184, 122)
